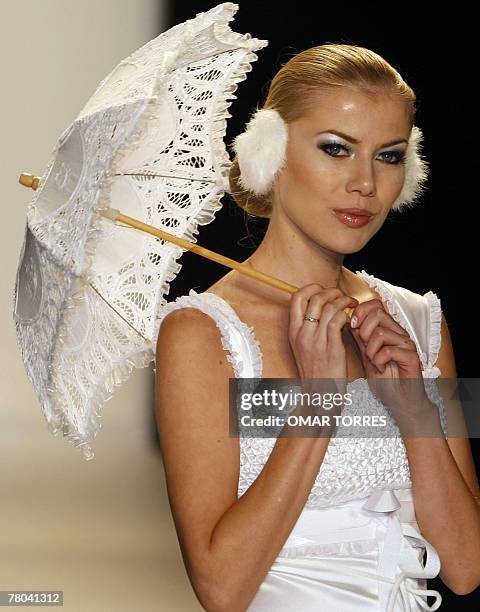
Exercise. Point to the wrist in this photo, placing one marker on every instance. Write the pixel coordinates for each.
(422, 422)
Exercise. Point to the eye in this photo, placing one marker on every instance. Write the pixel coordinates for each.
(394, 157)
(331, 147)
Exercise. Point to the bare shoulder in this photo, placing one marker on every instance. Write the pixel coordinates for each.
(186, 322)
(188, 336)
(192, 369)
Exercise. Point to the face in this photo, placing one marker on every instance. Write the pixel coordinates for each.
(346, 152)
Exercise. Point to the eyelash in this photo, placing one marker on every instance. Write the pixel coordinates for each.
(399, 155)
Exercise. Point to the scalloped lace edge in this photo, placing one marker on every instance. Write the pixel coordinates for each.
(435, 312)
(208, 213)
(104, 391)
(248, 333)
(211, 304)
(186, 301)
(396, 313)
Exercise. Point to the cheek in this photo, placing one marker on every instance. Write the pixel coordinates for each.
(390, 182)
(311, 173)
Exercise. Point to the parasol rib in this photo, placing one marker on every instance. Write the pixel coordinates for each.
(114, 215)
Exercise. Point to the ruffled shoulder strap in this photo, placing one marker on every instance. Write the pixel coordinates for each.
(419, 315)
(238, 340)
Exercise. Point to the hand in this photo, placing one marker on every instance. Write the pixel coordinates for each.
(390, 358)
(318, 348)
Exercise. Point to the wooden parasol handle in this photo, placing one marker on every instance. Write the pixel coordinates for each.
(114, 215)
(28, 180)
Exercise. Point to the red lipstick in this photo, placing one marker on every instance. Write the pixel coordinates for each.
(353, 217)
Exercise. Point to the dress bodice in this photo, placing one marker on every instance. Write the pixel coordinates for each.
(352, 467)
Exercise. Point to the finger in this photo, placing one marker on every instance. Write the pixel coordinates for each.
(360, 343)
(369, 367)
(382, 336)
(363, 310)
(407, 360)
(334, 329)
(378, 316)
(299, 303)
(315, 306)
(330, 310)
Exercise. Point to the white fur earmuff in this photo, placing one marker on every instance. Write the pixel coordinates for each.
(261, 153)
(261, 150)
(416, 172)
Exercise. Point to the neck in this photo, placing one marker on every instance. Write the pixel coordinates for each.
(294, 258)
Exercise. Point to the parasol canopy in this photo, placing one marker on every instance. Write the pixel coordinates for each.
(149, 143)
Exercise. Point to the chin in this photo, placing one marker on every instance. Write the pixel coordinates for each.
(346, 249)
(350, 251)
(341, 247)
(348, 245)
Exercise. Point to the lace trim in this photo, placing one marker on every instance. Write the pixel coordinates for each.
(387, 296)
(121, 362)
(256, 355)
(435, 312)
(210, 304)
(186, 301)
(104, 391)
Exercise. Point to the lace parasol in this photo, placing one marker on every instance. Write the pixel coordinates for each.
(149, 143)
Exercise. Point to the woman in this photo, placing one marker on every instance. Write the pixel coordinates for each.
(326, 523)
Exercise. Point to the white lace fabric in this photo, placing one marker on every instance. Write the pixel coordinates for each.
(150, 143)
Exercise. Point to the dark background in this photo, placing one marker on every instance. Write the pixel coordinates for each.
(432, 247)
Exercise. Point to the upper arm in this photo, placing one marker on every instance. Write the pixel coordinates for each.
(201, 460)
(459, 446)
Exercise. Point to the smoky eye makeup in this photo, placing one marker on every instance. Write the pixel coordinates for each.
(335, 148)
(341, 149)
(395, 156)
(332, 140)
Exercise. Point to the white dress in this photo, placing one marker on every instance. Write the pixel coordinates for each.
(356, 545)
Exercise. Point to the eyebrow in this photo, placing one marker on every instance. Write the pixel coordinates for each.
(355, 141)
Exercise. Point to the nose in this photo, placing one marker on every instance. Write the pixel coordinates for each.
(362, 178)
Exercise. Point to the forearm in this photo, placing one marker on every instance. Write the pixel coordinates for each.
(447, 513)
(249, 536)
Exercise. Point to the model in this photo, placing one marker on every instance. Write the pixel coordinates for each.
(325, 523)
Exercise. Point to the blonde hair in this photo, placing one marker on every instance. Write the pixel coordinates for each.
(292, 90)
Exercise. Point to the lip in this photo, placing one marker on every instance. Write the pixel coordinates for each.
(355, 211)
(353, 217)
